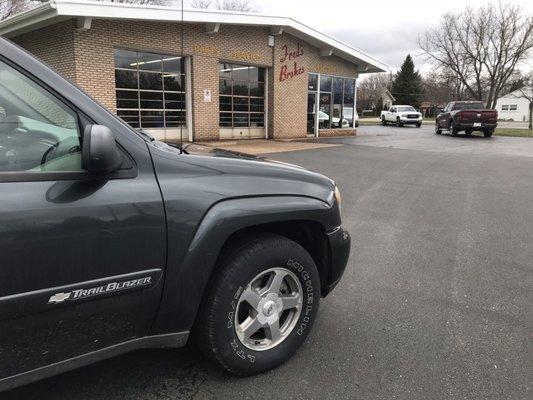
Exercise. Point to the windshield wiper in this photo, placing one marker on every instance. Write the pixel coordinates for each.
(146, 135)
(179, 147)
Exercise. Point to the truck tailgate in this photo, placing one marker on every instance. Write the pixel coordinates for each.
(478, 116)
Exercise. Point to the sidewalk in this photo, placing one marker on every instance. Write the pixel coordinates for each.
(264, 146)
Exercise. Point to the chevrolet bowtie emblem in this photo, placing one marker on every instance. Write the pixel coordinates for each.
(59, 298)
(108, 288)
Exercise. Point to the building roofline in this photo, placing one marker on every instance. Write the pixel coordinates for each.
(390, 94)
(517, 94)
(59, 10)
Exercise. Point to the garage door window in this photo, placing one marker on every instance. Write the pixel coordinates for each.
(242, 96)
(150, 89)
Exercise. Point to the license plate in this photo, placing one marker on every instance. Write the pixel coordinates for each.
(477, 124)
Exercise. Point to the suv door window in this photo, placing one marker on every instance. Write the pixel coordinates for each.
(38, 133)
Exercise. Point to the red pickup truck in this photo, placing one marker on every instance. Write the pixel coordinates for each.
(467, 116)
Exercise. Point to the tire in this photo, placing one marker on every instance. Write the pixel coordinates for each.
(453, 129)
(468, 132)
(225, 314)
(438, 131)
(398, 122)
(383, 121)
(357, 124)
(418, 125)
(488, 133)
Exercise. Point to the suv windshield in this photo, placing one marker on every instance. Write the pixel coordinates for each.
(404, 109)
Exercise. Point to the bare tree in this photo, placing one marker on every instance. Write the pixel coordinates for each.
(441, 86)
(481, 47)
(228, 5)
(370, 89)
(454, 84)
(9, 8)
(203, 4)
(141, 2)
(234, 5)
(436, 91)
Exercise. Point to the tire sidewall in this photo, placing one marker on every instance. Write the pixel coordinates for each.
(234, 354)
(454, 129)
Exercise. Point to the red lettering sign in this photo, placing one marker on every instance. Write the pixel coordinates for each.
(291, 55)
(287, 72)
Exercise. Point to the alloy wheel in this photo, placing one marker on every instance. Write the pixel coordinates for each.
(268, 309)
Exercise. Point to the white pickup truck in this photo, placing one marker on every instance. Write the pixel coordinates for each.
(401, 115)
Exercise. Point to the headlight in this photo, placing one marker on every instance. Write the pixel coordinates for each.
(338, 196)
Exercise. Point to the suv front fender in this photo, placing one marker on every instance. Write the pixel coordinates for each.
(185, 282)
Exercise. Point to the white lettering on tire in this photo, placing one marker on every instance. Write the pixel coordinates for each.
(300, 269)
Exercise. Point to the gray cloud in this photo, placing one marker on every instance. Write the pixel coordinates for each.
(390, 46)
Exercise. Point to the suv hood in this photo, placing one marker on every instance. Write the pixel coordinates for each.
(231, 174)
(198, 150)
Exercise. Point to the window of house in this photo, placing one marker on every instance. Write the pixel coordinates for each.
(513, 107)
(150, 89)
(505, 107)
(241, 95)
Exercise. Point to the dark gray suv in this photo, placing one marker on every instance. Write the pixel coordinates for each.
(111, 241)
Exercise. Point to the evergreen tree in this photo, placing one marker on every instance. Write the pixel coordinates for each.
(407, 85)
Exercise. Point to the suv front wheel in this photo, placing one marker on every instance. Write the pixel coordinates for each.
(260, 305)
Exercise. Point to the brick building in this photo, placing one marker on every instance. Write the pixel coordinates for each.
(230, 75)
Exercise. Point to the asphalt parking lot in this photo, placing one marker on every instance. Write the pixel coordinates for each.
(436, 301)
(411, 138)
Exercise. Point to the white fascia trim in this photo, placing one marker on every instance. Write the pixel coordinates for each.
(105, 10)
(28, 18)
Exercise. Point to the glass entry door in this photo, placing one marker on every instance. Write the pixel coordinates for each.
(311, 113)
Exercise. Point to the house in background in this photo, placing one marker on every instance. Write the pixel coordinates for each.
(369, 106)
(387, 100)
(431, 109)
(513, 107)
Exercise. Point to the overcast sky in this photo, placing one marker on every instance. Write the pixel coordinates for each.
(386, 29)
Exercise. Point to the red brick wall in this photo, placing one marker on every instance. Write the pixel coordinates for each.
(337, 132)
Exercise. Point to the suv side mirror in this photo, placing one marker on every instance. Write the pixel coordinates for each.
(99, 154)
